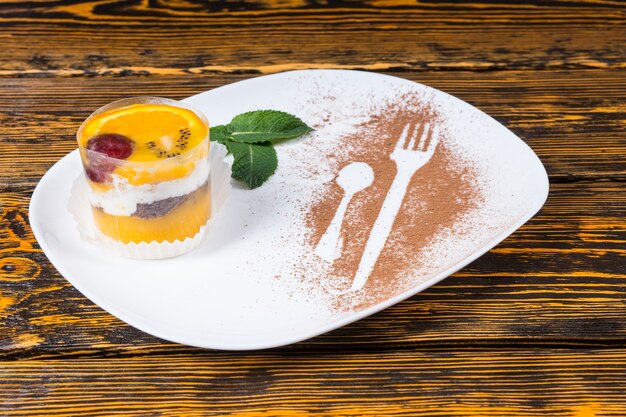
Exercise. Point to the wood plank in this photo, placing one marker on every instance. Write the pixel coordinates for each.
(573, 120)
(506, 383)
(559, 280)
(178, 37)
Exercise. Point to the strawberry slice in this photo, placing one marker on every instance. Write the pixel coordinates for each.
(112, 145)
(105, 149)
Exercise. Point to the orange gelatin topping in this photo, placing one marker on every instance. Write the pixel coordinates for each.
(160, 134)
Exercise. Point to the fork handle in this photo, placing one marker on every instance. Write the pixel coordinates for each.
(382, 227)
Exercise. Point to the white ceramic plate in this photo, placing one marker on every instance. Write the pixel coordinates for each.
(257, 281)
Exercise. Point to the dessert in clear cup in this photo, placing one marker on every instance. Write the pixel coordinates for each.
(146, 161)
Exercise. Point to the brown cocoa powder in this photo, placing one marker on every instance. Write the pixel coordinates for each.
(438, 194)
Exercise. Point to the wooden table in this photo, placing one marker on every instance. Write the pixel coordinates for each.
(535, 327)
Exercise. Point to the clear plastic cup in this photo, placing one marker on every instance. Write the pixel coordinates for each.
(158, 191)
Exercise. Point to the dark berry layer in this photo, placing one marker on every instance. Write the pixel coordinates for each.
(161, 208)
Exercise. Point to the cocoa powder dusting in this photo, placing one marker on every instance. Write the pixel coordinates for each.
(438, 194)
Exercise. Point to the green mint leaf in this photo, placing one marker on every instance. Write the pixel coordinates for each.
(220, 134)
(249, 137)
(254, 162)
(266, 125)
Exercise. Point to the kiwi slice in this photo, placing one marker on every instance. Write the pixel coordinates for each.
(167, 148)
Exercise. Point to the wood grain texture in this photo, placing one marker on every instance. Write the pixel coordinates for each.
(68, 38)
(574, 120)
(503, 383)
(559, 280)
(535, 327)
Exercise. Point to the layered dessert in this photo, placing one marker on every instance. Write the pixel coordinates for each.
(147, 166)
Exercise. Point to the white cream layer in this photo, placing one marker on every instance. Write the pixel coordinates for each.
(123, 198)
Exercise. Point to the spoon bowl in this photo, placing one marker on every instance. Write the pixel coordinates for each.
(355, 176)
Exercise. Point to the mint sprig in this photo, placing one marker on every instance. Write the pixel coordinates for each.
(250, 137)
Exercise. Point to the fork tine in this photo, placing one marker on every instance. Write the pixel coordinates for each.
(434, 140)
(402, 140)
(413, 136)
(422, 143)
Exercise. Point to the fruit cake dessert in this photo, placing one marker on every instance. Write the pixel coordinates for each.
(147, 166)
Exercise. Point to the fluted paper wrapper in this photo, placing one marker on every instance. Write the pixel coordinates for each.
(80, 209)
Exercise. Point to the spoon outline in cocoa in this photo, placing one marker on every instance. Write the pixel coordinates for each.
(352, 178)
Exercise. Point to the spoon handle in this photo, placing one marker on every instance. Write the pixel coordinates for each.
(329, 246)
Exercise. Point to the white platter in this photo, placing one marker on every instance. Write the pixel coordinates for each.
(239, 289)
